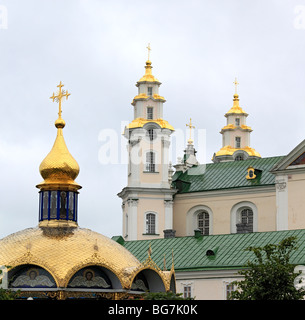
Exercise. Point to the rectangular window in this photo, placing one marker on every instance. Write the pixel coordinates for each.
(237, 142)
(150, 162)
(229, 289)
(151, 223)
(71, 205)
(149, 91)
(203, 223)
(150, 113)
(237, 122)
(187, 292)
(151, 134)
(45, 204)
(53, 212)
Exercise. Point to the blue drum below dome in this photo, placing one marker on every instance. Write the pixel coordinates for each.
(58, 205)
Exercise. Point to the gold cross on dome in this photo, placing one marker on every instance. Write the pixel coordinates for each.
(149, 49)
(191, 127)
(61, 94)
(236, 84)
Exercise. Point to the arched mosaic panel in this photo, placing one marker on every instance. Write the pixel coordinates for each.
(30, 276)
(90, 277)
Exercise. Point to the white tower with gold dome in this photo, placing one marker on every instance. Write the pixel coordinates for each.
(147, 199)
(235, 135)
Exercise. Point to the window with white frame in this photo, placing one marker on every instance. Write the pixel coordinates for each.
(245, 221)
(244, 217)
(187, 292)
(203, 222)
(237, 142)
(150, 223)
(239, 158)
(150, 162)
(150, 113)
(196, 220)
(237, 122)
(149, 91)
(151, 134)
(229, 290)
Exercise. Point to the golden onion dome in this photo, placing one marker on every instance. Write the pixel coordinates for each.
(59, 166)
(63, 251)
(59, 169)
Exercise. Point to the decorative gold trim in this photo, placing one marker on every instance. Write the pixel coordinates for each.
(140, 122)
(58, 224)
(253, 174)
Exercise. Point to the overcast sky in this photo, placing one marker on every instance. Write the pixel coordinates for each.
(98, 50)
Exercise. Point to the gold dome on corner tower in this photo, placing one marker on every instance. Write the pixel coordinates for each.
(236, 135)
(59, 169)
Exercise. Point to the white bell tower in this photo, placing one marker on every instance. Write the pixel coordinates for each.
(147, 201)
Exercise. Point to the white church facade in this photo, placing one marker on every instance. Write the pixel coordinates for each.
(240, 194)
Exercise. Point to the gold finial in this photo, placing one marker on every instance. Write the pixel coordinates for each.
(149, 251)
(149, 49)
(164, 264)
(61, 93)
(236, 84)
(190, 140)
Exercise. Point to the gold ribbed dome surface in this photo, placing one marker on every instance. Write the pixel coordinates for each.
(64, 251)
(59, 166)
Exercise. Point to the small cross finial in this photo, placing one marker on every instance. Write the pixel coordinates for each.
(236, 84)
(61, 94)
(190, 140)
(149, 49)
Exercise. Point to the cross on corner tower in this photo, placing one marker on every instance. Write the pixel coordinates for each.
(147, 200)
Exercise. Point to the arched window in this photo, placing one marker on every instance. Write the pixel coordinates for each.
(203, 222)
(244, 217)
(150, 223)
(245, 221)
(199, 217)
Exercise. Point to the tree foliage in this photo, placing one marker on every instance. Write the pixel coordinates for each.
(270, 275)
(6, 294)
(163, 296)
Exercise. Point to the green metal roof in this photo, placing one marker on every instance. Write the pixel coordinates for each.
(190, 253)
(225, 175)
